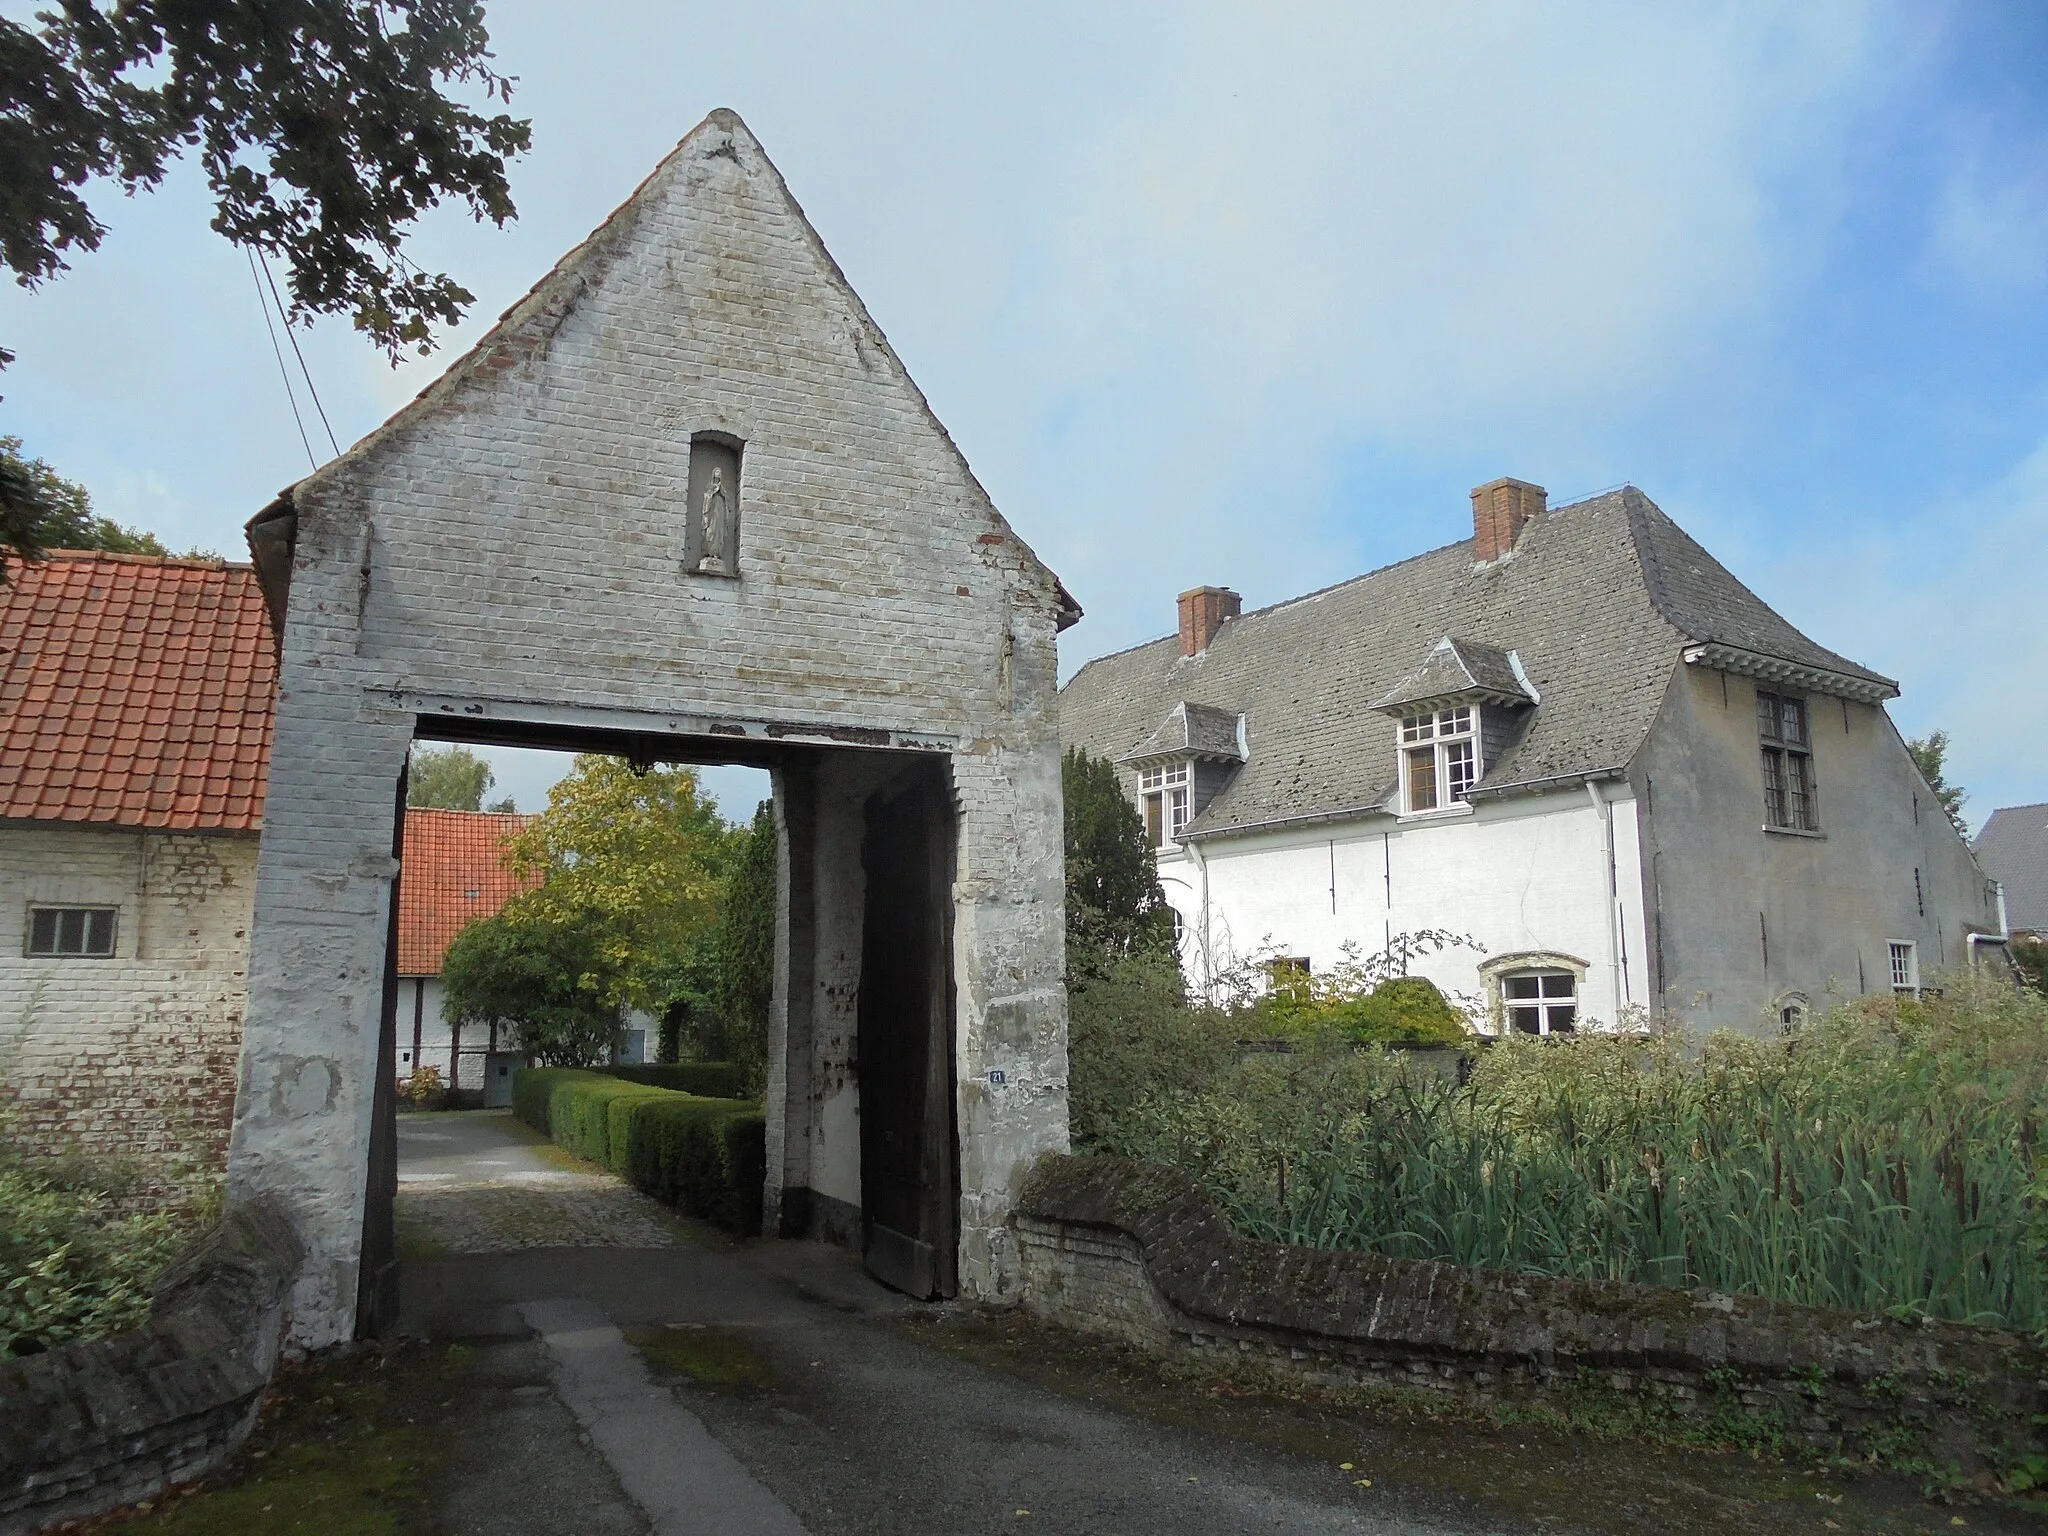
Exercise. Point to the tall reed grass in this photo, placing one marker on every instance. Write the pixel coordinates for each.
(1889, 1156)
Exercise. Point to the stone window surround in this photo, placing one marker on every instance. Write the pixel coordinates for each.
(1794, 1003)
(1493, 970)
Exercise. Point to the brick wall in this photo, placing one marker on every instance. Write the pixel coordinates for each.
(134, 1055)
(1136, 1253)
(512, 548)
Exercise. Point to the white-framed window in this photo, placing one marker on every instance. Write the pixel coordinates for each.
(1792, 1010)
(1787, 747)
(87, 932)
(1540, 1002)
(1905, 967)
(1439, 757)
(1164, 791)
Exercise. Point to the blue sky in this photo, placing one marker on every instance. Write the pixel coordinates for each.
(1254, 294)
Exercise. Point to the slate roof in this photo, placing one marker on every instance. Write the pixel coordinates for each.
(454, 872)
(2013, 849)
(1598, 600)
(135, 691)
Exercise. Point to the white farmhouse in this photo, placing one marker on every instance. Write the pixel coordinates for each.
(1575, 738)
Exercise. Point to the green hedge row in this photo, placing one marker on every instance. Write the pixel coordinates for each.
(705, 1156)
(706, 1079)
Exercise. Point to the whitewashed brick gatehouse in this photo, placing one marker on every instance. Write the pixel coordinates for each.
(684, 503)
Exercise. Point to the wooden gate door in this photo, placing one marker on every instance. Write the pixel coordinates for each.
(908, 1172)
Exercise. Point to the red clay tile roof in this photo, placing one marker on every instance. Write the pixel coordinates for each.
(135, 691)
(454, 873)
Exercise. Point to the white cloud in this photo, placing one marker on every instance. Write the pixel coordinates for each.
(1991, 227)
(1950, 604)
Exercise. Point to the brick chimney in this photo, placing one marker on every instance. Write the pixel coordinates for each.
(1501, 509)
(1202, 613)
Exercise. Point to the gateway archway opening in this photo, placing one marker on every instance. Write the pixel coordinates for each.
(861, 1051)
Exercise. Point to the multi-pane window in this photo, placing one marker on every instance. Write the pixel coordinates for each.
(1541, 1002)
(71, 931)
(1439, 757)
(1788, 762)
(1165, 794)
(1905, 968)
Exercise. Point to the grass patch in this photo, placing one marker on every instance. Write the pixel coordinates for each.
(347, 1446)
(711, 1357)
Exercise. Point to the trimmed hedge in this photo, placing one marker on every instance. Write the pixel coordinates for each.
(706, 1079)
(705, 1156)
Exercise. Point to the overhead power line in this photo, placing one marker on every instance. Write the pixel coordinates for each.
(282, 372)
(303, 369)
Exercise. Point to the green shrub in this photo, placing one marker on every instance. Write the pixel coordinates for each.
(705, 1156)
(709, 1079)
(73, 1263)
(1402, 1010)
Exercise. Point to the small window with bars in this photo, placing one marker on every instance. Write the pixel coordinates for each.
(83, 931)
(1164, 793)
(1787, 747)
(1905, 967)
(1439, 758)
(1541, 1002)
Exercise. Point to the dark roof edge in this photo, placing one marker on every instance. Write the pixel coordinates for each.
(1554, 781)
(1378, 808)
(273, 537)
(129, 828)
(1873, 689)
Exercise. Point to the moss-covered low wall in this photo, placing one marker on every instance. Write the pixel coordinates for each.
(1136, 1252)
(705, 1156)
(107, 1421)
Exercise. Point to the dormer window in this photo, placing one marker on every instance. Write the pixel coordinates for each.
(1164, 790)
(1455, 715)
(1439, 757)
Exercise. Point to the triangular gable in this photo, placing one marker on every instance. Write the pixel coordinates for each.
(524, 333)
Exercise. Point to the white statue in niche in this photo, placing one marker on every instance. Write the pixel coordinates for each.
(719, 557)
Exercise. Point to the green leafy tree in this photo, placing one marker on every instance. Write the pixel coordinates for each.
(546, 974)
(321, 126)
(746, 944)
(1115, 908)
(1930, 756)
(40, 510)
(638, 854)
(448, 779)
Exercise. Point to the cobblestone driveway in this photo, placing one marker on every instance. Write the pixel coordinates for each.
(481, 1182)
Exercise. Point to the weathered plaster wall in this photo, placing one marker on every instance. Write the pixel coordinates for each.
(1525, 874)
(133, 1055)
(1745, 917)
(510, 549)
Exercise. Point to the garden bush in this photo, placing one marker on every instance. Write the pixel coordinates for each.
(1890, 1155)
(705, 1156)
(709, 1079)
(75, 1261)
